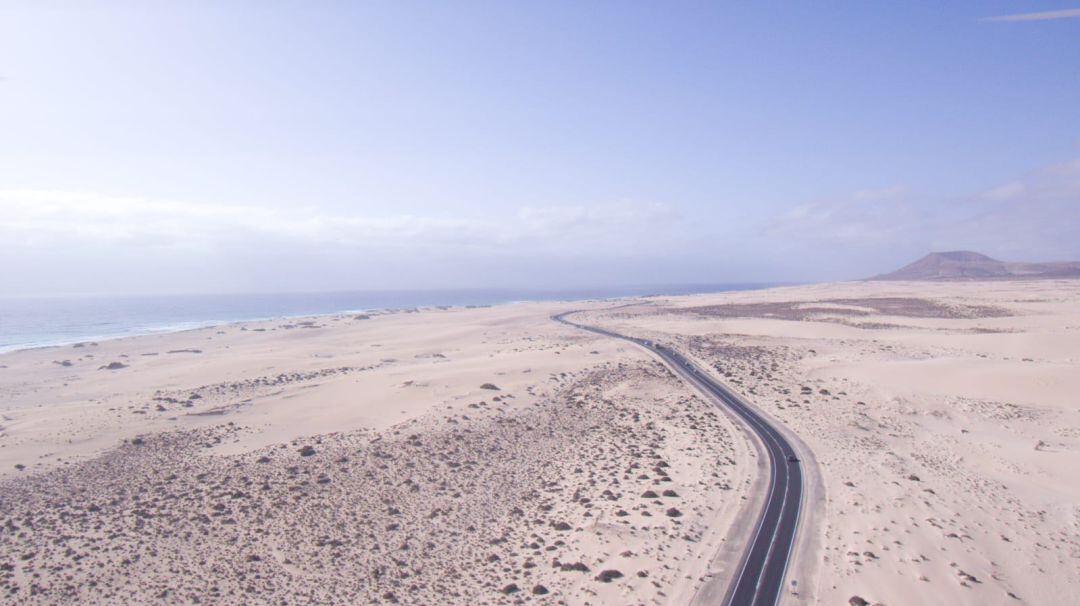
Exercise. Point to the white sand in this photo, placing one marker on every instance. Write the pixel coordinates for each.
(944, 422)
(180, 476)
(948, 445)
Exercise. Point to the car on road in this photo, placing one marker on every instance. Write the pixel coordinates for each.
(792, 459)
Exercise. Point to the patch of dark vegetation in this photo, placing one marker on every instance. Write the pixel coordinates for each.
(907, 307)
(435, 510)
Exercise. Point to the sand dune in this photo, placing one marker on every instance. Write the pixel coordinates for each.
(494, 456)
(447, 456)
(944, 417)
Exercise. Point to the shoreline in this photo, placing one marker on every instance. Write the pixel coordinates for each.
(201, 324)
(247, 441)
(172, 330)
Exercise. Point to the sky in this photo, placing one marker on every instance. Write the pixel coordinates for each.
(200, 147)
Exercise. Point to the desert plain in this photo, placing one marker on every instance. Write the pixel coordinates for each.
(493, 456)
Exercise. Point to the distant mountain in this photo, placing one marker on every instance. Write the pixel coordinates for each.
(967, 265)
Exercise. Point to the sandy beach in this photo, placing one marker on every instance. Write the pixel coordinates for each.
(494, 456)
(443, 456)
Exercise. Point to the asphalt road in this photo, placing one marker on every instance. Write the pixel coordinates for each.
(760, 580)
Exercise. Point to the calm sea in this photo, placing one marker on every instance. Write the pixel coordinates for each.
(36, 322)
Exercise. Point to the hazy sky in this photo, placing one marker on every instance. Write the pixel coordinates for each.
(268, 146)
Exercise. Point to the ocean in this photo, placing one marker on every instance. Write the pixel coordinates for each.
(43, 321)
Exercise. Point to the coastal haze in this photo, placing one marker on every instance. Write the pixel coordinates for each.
(539, 304)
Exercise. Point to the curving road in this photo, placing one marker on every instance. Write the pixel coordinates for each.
(760, 580)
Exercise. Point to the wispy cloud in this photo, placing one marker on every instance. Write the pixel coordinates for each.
(865, 218)
(39, 216)
(1067, 13)
(45, 218)
(1034, 217)
(627, 219)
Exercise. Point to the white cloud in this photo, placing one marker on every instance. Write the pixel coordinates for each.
(1031, 218)
(1006, 192)
(578, 221)
(43, 214)
(1068, 13)
(37, 218)
(866, 217)
(1039, 219)
(873, 195)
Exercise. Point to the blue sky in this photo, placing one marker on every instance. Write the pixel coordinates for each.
(204, 147)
